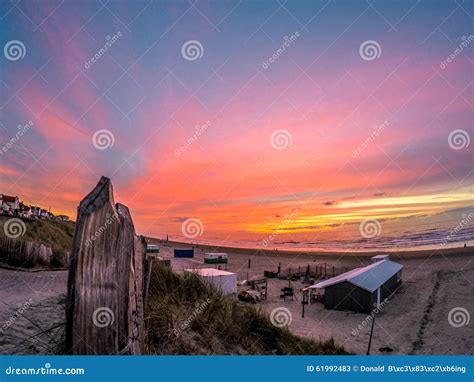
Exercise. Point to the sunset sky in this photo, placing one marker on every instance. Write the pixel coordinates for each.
(323, 134)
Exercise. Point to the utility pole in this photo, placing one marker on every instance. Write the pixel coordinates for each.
(371, 332)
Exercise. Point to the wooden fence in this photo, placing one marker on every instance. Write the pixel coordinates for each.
(104, 310)
(22, 253)
(314, 270)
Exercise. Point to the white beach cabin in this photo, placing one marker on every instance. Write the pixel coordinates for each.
(222, 280)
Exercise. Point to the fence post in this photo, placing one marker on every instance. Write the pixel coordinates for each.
(104, 309)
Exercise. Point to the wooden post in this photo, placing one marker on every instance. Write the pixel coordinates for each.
(104, 309)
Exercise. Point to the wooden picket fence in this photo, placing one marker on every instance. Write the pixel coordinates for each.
(104, 310)
(23, 253)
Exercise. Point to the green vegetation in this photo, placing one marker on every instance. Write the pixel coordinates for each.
(186, 316)
(55, 234)
(26, 251)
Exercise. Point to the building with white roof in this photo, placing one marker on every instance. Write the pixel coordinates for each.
(221, 280)
(361, 289)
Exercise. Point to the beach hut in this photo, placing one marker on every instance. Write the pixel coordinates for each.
(152, 248)
(222, 280)
(216, 258)
(183, 252)
(361, 289)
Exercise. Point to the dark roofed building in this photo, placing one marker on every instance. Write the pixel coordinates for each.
(362, 289)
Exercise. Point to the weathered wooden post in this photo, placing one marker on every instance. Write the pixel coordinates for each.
(104, 310)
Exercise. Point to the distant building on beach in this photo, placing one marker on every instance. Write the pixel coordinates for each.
(183, 252)
(362, 289)
(223, 281)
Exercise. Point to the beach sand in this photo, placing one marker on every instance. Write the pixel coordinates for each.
(415, 321)
(29, 303)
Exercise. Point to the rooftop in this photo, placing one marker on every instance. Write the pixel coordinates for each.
(380, 257)
(369, 278)
(209, 272)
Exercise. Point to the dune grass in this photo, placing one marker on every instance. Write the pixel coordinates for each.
(57, 235)
(186, 316)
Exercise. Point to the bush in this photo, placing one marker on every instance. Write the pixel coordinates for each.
(186, 316)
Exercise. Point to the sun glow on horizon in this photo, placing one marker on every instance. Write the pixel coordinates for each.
(321, 129)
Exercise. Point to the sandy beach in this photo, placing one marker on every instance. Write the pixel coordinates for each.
(415, 321)
(29, 303)
(398, 326)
